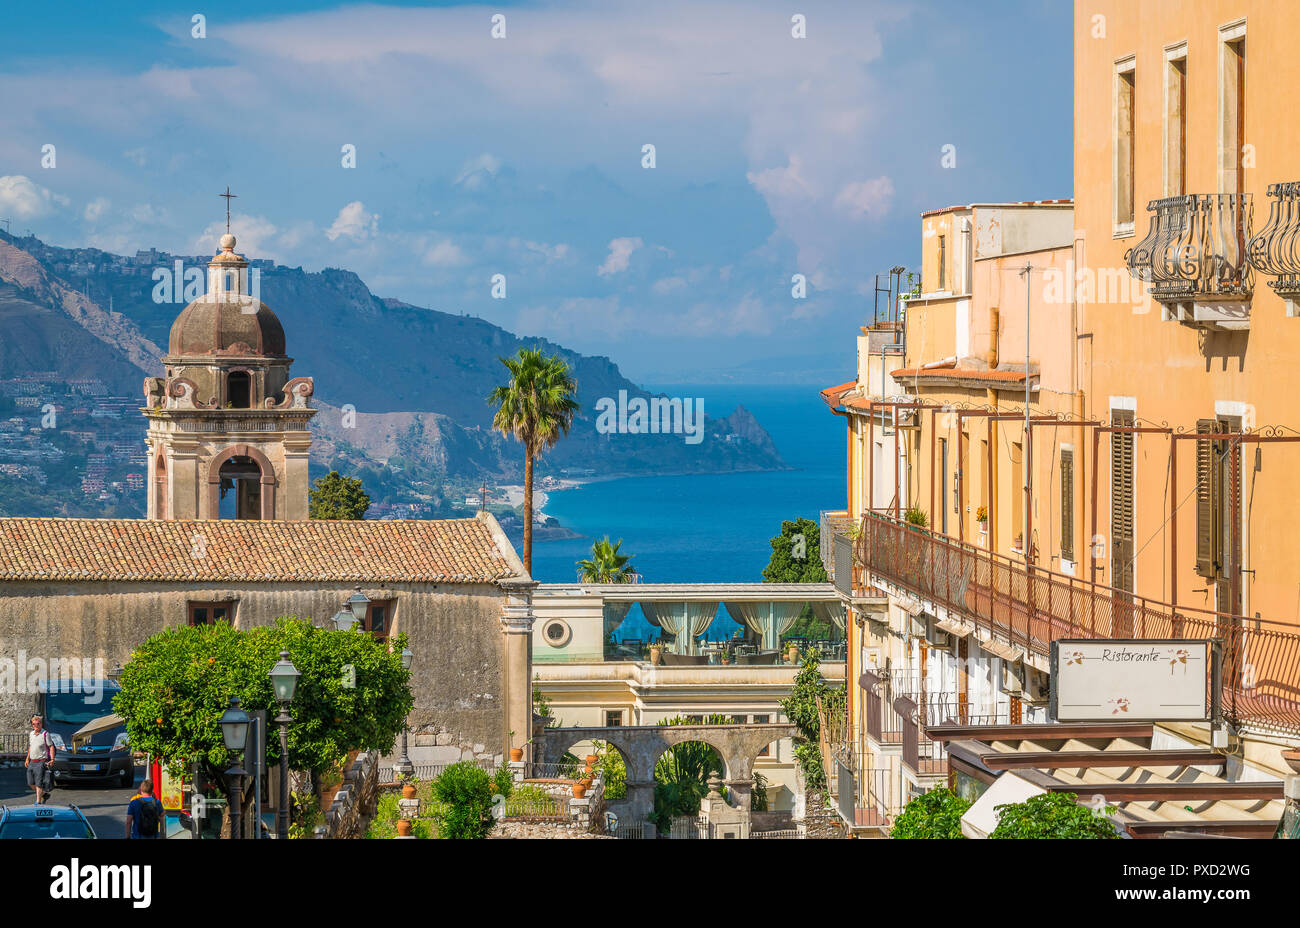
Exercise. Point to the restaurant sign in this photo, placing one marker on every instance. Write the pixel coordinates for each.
(1133, 679)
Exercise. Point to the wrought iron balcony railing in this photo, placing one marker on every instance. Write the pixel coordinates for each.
(1195, 248)
(1275, 249)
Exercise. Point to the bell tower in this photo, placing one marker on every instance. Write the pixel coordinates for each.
(228, 427)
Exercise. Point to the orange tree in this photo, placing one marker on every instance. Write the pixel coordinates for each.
(353, 694)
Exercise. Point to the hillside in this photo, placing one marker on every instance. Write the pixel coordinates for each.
(418, 378)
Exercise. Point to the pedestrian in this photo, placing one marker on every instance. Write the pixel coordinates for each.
(144, 813)
(40, 760)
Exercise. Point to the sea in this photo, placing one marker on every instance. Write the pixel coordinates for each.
(708, 528)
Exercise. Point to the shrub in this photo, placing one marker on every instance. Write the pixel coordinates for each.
(1051, 815)
(915, 516)
(384, 824)
(466, 791)
(937, 814)
(503, 781)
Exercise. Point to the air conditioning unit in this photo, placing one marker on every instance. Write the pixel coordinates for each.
(1013, 678)
(1037, 685)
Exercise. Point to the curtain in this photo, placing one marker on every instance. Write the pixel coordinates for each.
(832, 612)
(769, 620)
(615, 613)
(684, 621)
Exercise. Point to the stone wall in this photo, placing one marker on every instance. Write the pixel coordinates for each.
(820, 821)
(355, 801)
(455, 632)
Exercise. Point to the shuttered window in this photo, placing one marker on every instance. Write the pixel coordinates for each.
(1067, 504)
(1207, 492)
(1121, 500)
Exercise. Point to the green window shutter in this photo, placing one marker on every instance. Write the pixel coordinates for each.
(1206, 511)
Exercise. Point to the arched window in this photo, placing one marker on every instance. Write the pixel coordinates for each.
(240, 495)
(160, 488)
(239, 390)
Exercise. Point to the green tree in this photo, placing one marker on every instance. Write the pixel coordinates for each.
(178, 683)
(606, 564)
(1051, 815)
(796, 558)
(337, 497)
(682, 775)
(800, 707)
(537, 407)
(936, 814)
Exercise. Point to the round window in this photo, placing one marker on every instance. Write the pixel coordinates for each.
(556, 633)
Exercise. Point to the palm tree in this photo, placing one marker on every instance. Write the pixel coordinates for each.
(606, 565)
(537, 407)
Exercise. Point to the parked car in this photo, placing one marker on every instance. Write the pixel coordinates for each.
(37, 822)
(104, 754)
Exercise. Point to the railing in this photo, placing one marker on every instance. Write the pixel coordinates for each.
(873, 687)
(535, 809)
(13, 742)
(779, 835)
(432, 771)
(1196, 245)
(1033, 607)
(1275, 249)
(867, 797)
(564, 770)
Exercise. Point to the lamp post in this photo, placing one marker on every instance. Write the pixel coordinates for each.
(234, 732)
(404, 766)
(284, 680)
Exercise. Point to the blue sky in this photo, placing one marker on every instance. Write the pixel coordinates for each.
(522, 156)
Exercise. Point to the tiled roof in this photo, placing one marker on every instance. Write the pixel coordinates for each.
(949, 372)
(435, 551)
(832, 395)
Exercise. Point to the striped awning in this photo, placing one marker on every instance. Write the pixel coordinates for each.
(954, 627)
(1002, 649)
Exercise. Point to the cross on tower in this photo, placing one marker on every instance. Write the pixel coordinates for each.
(229, 196)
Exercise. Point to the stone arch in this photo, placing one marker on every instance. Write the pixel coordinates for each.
(267, 481)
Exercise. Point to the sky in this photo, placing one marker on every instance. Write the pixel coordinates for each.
(525, 156)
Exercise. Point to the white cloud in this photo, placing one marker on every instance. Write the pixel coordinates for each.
(865, 197)
(22, 198)
(549, 252)
(620, 252)
(476, 172)
(668, 285)
(95, 209)
(354, 222)
(444, 254)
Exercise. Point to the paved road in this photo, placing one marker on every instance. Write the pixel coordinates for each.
(105, 805)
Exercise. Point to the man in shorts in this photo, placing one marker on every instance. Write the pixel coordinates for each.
(40, 759)
(144, 814)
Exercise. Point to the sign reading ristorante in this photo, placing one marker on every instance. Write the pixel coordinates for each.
(1144, 680)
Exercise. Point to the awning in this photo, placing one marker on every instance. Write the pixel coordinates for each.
(953, 627)
(1002, 649)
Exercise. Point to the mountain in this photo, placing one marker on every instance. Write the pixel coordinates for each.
(413, 380)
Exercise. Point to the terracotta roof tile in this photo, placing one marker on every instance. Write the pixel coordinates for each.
(949, 372)
(433, 551)
(832, 394)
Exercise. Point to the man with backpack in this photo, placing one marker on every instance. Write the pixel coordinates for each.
(144, 813)
(40, 760)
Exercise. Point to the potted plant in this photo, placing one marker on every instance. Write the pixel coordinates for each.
(916, 518)
(793, 652)
(517, 754)
(982, 517)
(579, 790)
(409, 789)
(726, 659)
(656, 652)
(403, 827)
(591, 760)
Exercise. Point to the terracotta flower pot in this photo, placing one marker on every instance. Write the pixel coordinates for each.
(586, 782)
(656, 655)
(403, 827)
(516, 754)
(579, 791)
(591, 760)
(409, 791)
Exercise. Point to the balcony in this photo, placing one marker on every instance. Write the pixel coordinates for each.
(1030, 607)
(1275, 250)
(834, 525)
(1194, 258)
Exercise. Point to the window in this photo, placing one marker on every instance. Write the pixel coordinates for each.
(1176, 121)
(1067, 504)
(557, 633)
(613, 718)
(1218, 549)
(1121, 501)
(1125, 103)
(943, 262)
(239, 390)
(1232, 106)
(738, 719)
(204, 613)
(379, 617)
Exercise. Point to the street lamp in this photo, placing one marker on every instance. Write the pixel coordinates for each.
(234, 731)
(404, 766)
(284, 680)
(359, 603)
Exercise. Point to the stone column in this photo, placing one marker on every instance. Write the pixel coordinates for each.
(517, 670)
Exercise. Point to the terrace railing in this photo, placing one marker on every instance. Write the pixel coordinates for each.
(1196, 246)
(1032, 607)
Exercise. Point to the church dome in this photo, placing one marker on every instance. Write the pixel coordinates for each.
(226, 328)
(227, 320)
